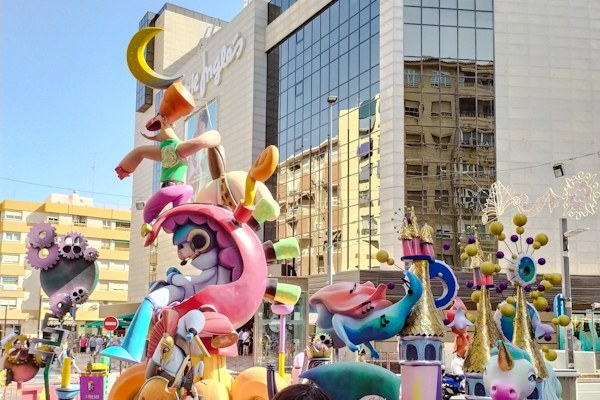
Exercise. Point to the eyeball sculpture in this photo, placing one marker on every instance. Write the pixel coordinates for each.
(68, 269)
(509, 373)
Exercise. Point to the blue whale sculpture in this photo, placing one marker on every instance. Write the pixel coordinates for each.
(377, 324)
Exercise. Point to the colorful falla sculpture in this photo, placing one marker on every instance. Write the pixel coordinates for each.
(358, 314)
(68, 275)
(195, 316)
(67, 265)
(215, 248)
(487, 332)
(225, 248)
(355, 314)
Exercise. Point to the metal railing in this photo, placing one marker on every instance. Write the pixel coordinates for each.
(389, 361)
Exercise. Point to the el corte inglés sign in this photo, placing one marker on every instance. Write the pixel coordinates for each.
(214, 70)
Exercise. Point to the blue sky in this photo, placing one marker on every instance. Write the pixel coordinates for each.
(68, 98)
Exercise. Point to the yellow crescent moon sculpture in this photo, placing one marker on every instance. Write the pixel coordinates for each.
(136, 60)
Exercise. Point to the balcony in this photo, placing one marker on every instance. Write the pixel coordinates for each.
(11, 313)
(12, 270)
(108, 295)
(95, 233)
(117, 255)
(87, 315)
(14, 226)
(114, 275)
(8, 292)
(12, 247)
(470, 87)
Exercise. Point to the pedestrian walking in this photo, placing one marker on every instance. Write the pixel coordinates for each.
(240, 343)
(83, 342)
(92, 343)
(99, 344)
(246, 341)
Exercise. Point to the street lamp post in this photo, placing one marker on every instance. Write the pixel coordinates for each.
(331, 100)
(566, 287)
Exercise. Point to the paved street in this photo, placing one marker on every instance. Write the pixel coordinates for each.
(235, 365)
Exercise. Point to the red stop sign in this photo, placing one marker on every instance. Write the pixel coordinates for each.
(111, 323)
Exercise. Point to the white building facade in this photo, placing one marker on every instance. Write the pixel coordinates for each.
(521, 78)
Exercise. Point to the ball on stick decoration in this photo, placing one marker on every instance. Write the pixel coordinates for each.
(496, 228)
(382, 256)
(541, 238)
(520, 219)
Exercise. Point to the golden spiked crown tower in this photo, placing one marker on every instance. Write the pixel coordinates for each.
(487, 332)
(421, 339)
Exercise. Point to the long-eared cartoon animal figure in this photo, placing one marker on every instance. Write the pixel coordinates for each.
(370, 318)
(228, 188)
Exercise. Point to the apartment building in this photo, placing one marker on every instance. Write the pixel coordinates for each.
(21, 297)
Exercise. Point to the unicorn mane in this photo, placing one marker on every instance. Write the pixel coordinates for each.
(515, 352)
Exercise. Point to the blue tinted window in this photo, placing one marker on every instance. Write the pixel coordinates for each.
(337, 52)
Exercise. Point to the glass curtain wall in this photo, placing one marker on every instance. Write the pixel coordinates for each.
(450, 156)
(334, 53)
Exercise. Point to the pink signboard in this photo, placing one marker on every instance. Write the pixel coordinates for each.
(92, 387)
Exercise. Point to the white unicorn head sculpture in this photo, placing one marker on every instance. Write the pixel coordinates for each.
(509, 373)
